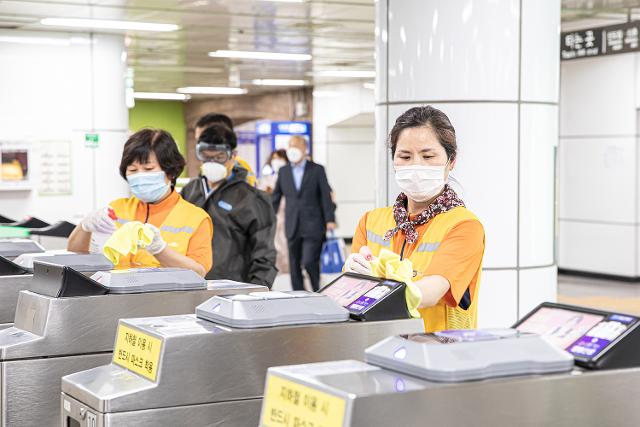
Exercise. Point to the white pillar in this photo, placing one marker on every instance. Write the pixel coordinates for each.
(493, 67)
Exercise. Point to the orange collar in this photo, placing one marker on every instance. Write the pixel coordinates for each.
(167, 204)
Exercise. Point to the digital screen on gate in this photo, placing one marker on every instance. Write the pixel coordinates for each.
(582, 334)
(357, 294)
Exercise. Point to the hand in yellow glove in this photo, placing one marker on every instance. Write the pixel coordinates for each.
(127, 239)
(389, 266)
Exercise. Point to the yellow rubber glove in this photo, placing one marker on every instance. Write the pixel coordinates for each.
(125, 241)
(389, 266)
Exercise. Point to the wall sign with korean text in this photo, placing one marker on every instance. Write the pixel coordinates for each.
(599, 41)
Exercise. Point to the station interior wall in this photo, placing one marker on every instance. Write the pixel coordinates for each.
(598, 165)
(83, 77)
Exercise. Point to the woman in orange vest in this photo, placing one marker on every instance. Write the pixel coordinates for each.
(428, 224)
(151, 163)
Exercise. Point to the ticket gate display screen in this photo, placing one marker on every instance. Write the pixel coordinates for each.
(584, 334)
(368, 298)
(357, 293)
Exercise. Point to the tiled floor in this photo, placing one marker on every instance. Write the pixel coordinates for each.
(599, 293)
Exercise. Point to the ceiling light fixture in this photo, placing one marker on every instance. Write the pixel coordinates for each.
(369, 85)
(168, 96)
(273, 56)
(108, 24)
(210, 90)
(279, 82)
(360, 74)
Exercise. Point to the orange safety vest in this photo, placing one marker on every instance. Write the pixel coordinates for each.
(441, 316)
(177, 229)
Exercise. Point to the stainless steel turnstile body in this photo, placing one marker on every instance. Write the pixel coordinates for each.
(209, 375)
(376, 397)
(53, 337)
(10, 287)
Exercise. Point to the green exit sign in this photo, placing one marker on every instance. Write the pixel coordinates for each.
(91, 140)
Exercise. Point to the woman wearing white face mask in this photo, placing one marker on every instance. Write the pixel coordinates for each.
(151, 163)
(428, 224)
(267, 182)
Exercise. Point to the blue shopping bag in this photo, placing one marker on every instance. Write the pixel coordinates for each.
(332, 256)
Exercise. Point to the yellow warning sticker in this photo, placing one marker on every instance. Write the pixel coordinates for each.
(288, 404)
(137, 352)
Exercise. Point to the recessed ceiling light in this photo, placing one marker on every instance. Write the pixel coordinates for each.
(210, 90)
(108, 24)
(162, 95)
(361, 74)
(279, 82)
(275, 56)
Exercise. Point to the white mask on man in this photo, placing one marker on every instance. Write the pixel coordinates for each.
(294, 154)
(214, 171)
(420, 183)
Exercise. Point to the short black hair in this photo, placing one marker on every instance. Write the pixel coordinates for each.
(214, 118)
(219, 134)
(146, 141)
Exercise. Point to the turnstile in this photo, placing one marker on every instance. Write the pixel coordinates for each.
(188, 371)
(53, 337)
(11, 248)
(463, 378)
(10, 286)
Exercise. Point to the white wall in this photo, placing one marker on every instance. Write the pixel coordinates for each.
(344, 142)
(350, 156)
(57, 87)
(598, 165)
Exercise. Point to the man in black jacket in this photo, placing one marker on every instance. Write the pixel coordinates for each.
(309, 211)
(244, 222)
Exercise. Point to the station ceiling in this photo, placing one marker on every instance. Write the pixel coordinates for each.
(338, 34)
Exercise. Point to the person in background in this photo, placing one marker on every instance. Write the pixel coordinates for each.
(267, 182)
(243, 219)
(428, 224)
(150, 164)
(309, 211)
(216, 118)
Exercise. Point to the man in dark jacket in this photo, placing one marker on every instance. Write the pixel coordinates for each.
(244, 222)
(309, 212)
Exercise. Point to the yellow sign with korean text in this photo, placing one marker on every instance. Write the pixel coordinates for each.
(289, 404)
(137, 352)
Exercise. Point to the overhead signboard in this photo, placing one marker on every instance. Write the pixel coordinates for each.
(599, 41)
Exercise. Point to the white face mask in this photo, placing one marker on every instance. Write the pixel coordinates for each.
(214, 171)
(420, 183)
(294, 154)
(276, 164)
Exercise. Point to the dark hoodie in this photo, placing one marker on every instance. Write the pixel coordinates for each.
(244, 226)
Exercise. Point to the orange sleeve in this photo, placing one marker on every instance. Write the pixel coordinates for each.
(458, 258)
(199, 248)
(360, 235)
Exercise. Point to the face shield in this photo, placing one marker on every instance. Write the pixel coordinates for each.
(218, 153)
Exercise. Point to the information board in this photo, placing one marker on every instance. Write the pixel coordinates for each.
(598, 41)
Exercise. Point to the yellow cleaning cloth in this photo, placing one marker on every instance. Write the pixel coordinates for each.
(389, 266)
(126, 239)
